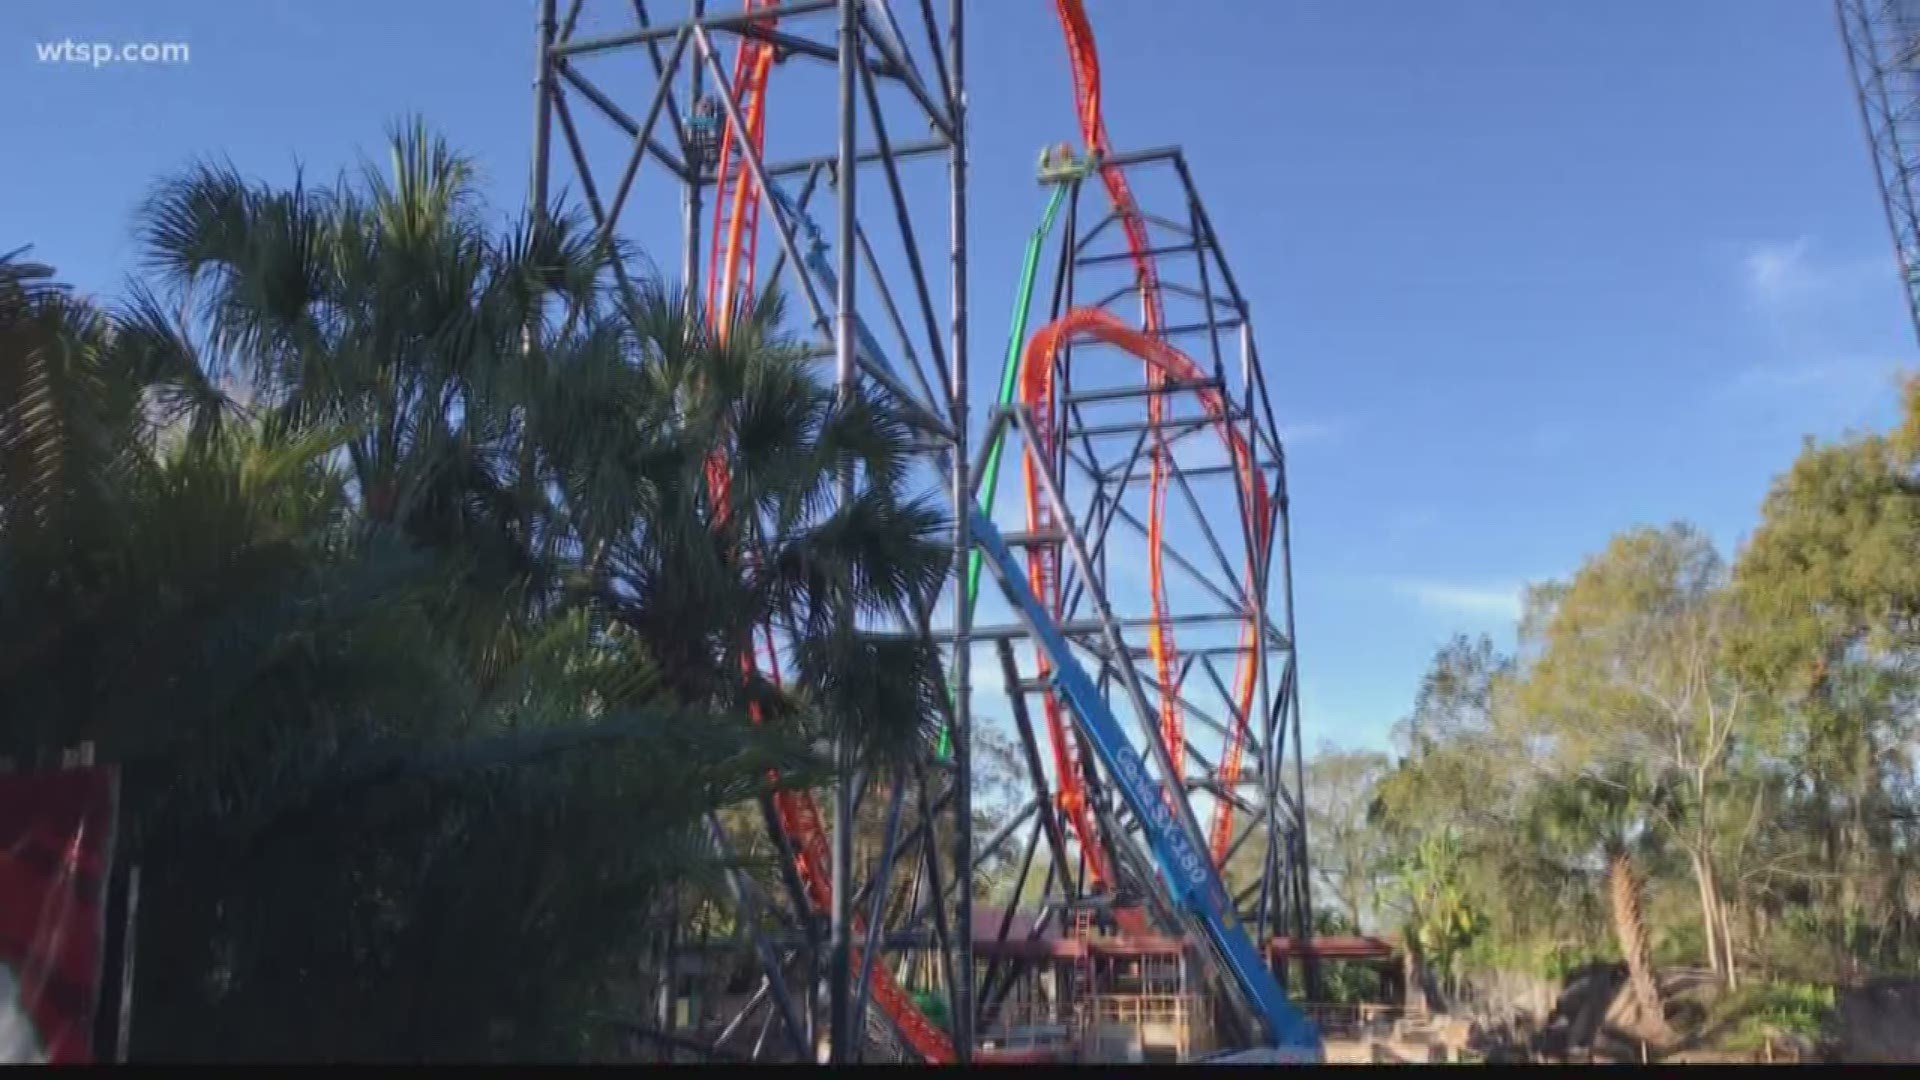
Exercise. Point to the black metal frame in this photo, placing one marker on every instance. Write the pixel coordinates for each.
(1100, 471)
(1882, 42)
(887, 77)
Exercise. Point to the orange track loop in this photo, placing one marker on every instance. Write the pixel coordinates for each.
(1085, 59)
(730, 281)
(1093, 131)
(1037, 392)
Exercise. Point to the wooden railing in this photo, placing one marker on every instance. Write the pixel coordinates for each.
(1027, 1023)
(1136, 1009)
(1347, 1020)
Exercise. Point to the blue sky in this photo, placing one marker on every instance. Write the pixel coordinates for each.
(1525, 273)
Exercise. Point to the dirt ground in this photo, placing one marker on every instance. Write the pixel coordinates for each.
(1592, 1020)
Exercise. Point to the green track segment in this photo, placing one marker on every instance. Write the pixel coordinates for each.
(1009, 380)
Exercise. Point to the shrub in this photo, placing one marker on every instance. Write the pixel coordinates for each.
(1749, 1016)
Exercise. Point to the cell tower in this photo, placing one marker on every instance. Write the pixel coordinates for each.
(1882, 39)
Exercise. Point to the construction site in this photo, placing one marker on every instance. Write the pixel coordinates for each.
(1131, 395)
(1112, 602)
(1160, 728)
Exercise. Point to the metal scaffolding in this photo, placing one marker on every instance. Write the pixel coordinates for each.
(1222, 579)
(681, 100)
(723, 115)
(1882, 41)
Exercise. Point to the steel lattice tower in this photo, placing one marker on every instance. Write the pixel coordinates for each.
(1220, 580)
(1882, 40)
(754, 120)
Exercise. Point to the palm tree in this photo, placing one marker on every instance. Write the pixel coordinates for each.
(80, 402)
(387, 306)
(510, 406)
(1604, 815)
(697, 567)
(336, 819)
(365, 522)
(381, 552)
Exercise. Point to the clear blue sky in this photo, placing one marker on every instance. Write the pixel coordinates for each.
(1526, 273)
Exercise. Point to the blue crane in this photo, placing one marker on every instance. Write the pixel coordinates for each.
(1197, 891)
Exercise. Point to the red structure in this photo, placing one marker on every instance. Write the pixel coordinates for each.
(56, 848)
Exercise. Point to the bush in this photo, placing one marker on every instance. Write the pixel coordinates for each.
(1748, 1017)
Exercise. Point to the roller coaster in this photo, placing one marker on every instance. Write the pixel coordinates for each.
(1102, 530)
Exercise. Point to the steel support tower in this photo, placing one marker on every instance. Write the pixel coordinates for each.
(757, 122)
(832, 133)
(1882, 41)
(1225, 551)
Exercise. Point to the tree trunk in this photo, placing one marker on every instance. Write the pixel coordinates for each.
(1707, 923)
(1630, 929)
(1726, 946)
(1713, 921)
(1413, 979)
(1726, 942)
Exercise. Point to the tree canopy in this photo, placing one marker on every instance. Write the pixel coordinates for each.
(1719, 753)
(377, 544)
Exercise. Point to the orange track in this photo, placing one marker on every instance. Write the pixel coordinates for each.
(1093, 131)
(730, 281)
(730, 284)
(1166, 362)
(1162, 362)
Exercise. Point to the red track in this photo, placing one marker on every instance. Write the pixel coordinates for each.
(730, 279)
(1037, 390)
(730, 284)
(1162, 363)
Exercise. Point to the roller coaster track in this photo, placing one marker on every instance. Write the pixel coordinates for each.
(1027, 375)
(1163, 364)
(730, 281)
(1200, 900)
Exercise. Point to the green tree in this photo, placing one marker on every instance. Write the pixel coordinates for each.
(1348, 853)
(1442, 919)
(1604, 816)
(512, 408)
(380, 551)
(1626, 671)
(1454, 777)
(1466, 775)
(348, 849)
(1832, 585)
(1455, 769)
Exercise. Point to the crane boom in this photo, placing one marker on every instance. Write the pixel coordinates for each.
(1185, 868)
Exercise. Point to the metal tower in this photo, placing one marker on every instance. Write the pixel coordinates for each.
(1155, 521)
(752, 121)
(1882, 39)
(1215, 507)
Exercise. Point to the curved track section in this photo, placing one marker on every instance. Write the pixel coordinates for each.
(1085, 59)
(736, 206)
(1037, 390)
(730, 285)
(1162, 364)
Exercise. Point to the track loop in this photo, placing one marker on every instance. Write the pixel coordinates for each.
(1038, 365)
